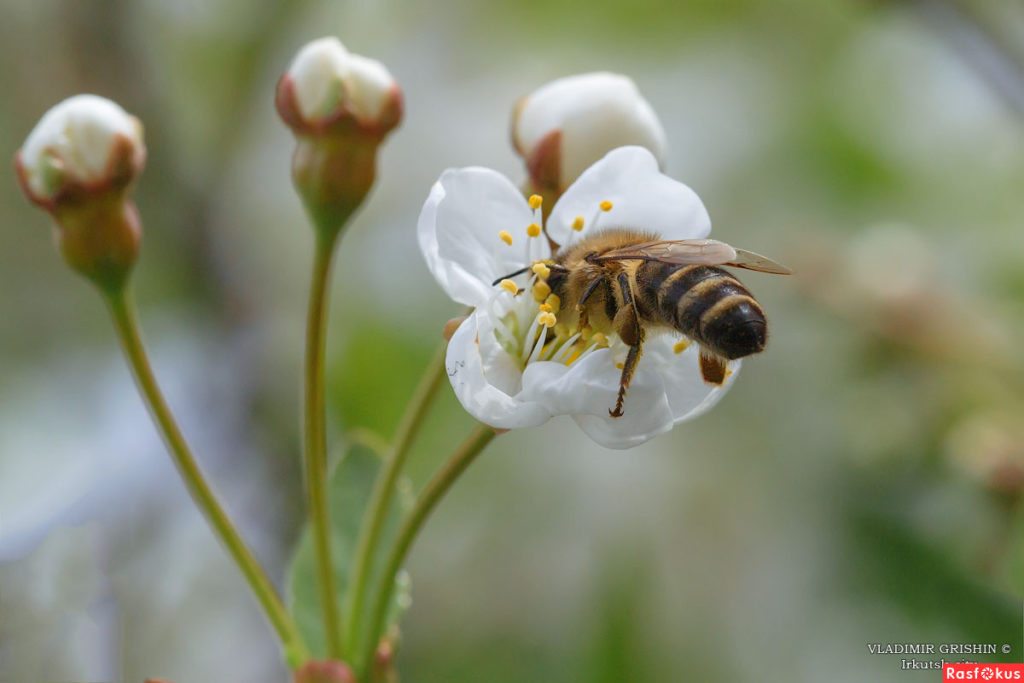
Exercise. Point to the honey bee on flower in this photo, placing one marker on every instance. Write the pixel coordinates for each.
(514, 362)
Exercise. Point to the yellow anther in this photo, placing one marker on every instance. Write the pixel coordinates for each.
(547, 319)
(533, 230)
(541, 270)
(541, 291)
(535, 201)
(554, 302)
(506, 237)
(546, 308)
(577, 223)
(606, 205)
(681, 345)
(619, 365)
(600, 340)
(510, 287)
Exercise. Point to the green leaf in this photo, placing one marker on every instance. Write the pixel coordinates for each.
(348, 494)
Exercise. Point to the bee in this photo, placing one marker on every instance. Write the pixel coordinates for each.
(633, 283)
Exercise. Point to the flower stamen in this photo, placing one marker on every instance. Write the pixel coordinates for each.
(510, 287)
(681, 346)
(505, 236)
(602, 208)
(577, 223)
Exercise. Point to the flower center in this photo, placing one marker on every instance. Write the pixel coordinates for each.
(527, 327)
(526, 319)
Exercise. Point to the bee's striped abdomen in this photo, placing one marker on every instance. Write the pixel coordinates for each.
(707, 304)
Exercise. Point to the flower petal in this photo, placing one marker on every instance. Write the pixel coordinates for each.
(459, 232)
(642, 198)
(76, 138)
(594, 113)
(588, 389)
(689, 396)
(478, 396)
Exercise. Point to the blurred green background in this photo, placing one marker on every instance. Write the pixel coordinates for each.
(860, 484)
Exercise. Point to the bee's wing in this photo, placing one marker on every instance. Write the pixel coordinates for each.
(696, 252)
(707, 252)
(751, 261)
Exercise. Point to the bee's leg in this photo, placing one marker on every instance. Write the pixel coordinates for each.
(627, 325)
(581, 307)
(628, 368)
(713, 368)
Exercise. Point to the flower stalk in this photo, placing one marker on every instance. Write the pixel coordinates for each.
(315, 438)
(424, 505)
(383, 490)
(340, 106)
(125, 323)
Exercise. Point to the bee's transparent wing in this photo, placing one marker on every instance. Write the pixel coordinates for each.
(696, 252)
(707, 252)
(751, 261)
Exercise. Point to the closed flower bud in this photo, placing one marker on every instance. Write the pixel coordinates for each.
(340, 107)
(79, 163)
(567, 125)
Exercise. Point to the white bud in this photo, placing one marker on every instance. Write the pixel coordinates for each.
(76, 142)
(595, 113)
(327, 77)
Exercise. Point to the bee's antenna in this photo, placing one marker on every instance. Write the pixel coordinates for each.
(510, 275)
(553, 266)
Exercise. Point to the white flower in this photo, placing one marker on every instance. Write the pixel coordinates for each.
(327, 77)
(78, 141)
(593, 114)
(509, 368)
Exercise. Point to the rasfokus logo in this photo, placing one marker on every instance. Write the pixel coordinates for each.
(982, 672)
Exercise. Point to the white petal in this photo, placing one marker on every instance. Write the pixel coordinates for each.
(642, 198)
(595, 113)
(478, 396)
(459, 228)
(689, 396)
(369, 83)
(76, 136)
(318, 72)
(589, 388)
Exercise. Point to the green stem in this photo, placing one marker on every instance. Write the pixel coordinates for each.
(315, 451)
(425, 503)
(383, 489)
(125, 323)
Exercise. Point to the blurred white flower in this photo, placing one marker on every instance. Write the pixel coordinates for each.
(85, 140)
(328, 78)
(509, 363)
(567, 125)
